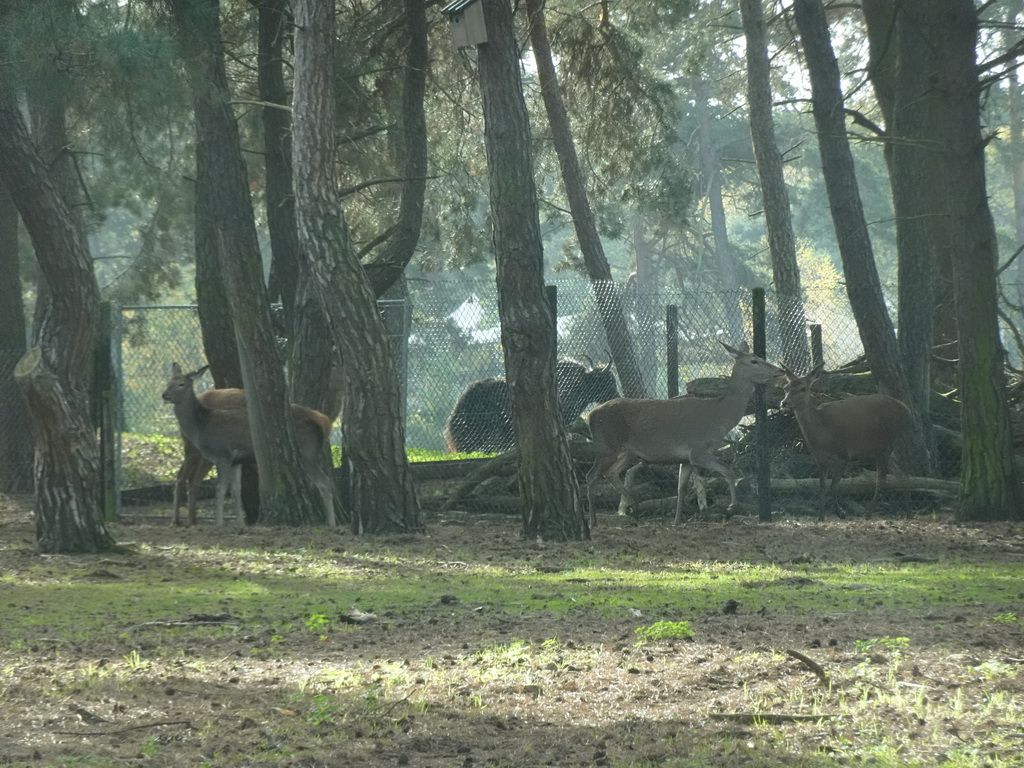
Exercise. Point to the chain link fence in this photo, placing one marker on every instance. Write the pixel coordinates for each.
(454, 340)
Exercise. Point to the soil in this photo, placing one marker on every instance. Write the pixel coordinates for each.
(599, 698)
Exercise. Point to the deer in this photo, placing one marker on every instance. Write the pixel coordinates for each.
(863, 428)
(683, 431)
(194, 467)
(224, 439)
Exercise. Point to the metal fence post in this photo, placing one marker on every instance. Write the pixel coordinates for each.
(672, 349)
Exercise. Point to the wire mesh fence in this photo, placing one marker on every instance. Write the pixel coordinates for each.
(453, 340)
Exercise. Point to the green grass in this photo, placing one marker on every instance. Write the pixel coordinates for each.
(251, 584)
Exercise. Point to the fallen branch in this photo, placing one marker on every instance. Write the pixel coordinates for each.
(181, 624)
(767, 717)
(125, 729)
(812, 665)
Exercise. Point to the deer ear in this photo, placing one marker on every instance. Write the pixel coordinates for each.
(736, 352)
(175, 369)
(816, 371)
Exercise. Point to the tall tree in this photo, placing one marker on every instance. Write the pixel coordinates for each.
(274, 27)
(900, 68)
(311, 353)
(54, 375)
(381, 493)
(549, 494)
(863, 286)
(779, 225)
(989, 488)
(286, 496)
(16, 436)
(607, 295)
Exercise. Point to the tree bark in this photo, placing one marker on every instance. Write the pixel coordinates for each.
(411, 152)
(381, 494)
(548, 491)
(311, 355)
(274, 28)
(901, 65)
(862, 283)
(606, 293)
(712, 168)
(778, 222)
(54, 377)
(15, 431)
(989, 488)
(286, 495)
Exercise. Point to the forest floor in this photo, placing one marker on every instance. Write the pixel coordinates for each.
(470, 646)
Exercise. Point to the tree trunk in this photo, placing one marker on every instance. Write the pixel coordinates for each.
(988, 481)
(902, 60)
(548, 491)
(219, 345)
(712, 169)
(862, 284)
(274, 29)
(1016, 144)
(781, 242)
(15, 432)
(311, 354)
(286, 495)
(606, 293)
(412, 151)
(381, 494)
(54, 377)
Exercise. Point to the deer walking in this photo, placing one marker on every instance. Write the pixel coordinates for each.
(861, 428)
(682, 431)
(223, 438)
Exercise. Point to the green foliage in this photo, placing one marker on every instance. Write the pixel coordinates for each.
(664, 630)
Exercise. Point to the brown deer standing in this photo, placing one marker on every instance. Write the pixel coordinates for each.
(194, 467)
(223, 438)
(861, 428)
(683, 431)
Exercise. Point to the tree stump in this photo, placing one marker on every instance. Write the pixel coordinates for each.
(69, 516)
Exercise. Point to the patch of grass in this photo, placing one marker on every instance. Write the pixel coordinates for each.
(506, 651)
(664, 630)
(306, 583)
(149, 459)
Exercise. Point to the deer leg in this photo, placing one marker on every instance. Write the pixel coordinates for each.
(224, 473)
(823, 473)
(200, 468)
(711, 464)
(628, 479)
(179, 487)
(610, 467)
(323, 483)
(236, 494)
(883, 469)
(685, 470)
(837, 469)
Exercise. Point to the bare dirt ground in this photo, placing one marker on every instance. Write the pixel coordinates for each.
(573, 688)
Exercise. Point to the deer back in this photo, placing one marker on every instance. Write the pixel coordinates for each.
(862, 428)
(676, 430)
(229, 397)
